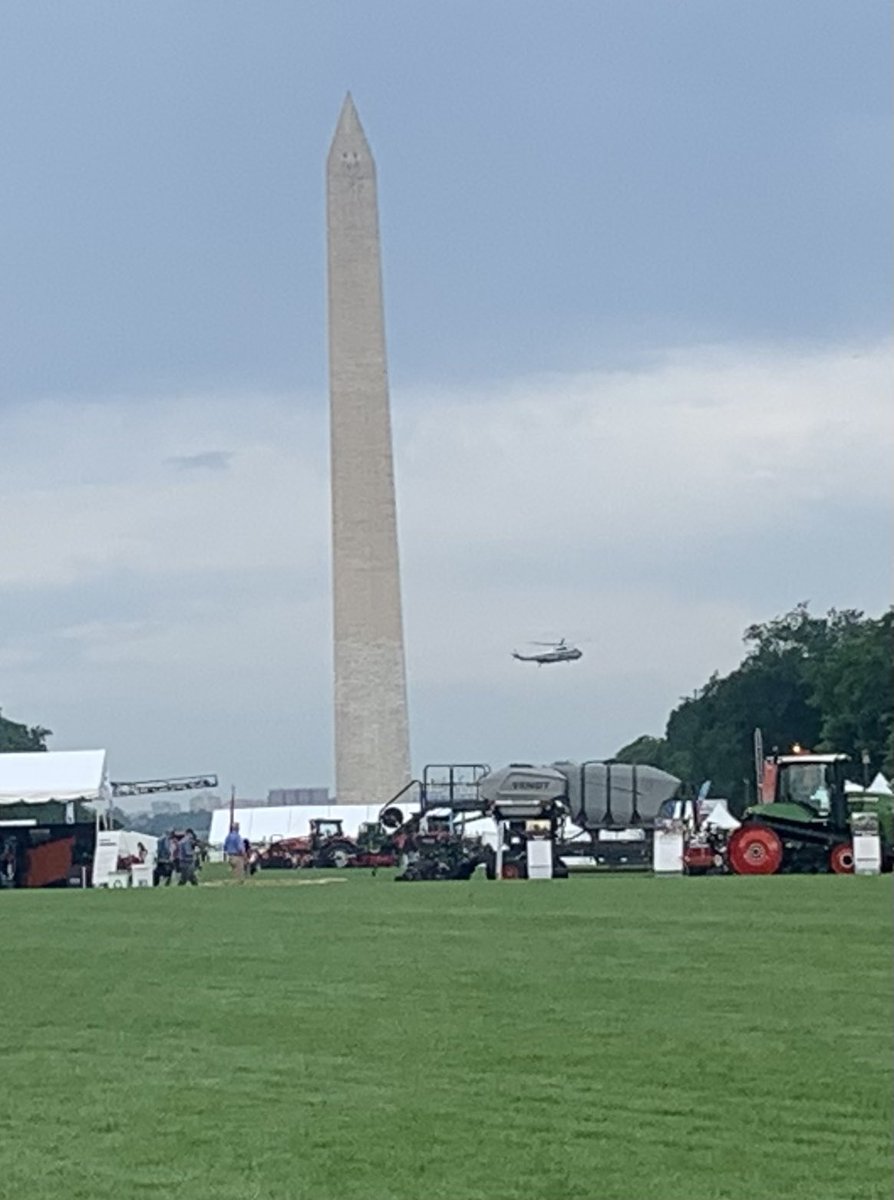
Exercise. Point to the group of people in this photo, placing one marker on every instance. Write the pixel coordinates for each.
(181, 855)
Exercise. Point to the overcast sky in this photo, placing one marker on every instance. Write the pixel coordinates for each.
(637, 284)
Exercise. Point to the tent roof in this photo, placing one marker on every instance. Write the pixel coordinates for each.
(721, 817)
(878, 787)
(61, 775)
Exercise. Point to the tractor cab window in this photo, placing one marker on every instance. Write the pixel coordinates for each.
(806, 783)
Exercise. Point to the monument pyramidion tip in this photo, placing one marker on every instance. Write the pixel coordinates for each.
(349, 142)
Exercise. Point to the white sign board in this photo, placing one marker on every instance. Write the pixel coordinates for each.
(867, 853)
(667, 849)
(540, 858)
(126, 845)
(105, 858)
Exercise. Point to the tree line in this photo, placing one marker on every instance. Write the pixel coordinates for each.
(824, 682)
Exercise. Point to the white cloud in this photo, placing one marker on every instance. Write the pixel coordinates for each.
(707, 442)
(653, 513)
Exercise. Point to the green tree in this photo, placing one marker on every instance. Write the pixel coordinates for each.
(15, 737)
(853, 688)
(645, 750)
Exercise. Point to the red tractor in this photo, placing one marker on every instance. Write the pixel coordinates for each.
(327, 845)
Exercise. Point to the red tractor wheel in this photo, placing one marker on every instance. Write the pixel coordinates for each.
(841, 859)
(755, 850)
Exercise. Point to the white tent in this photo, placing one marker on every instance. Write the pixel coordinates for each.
(720, 817)
(878, 787)
(61, 775)
(713, 813)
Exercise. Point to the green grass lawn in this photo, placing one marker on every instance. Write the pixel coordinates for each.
(617, 1038)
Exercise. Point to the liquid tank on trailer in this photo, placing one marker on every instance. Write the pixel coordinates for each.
(615, 805)
(612, 806)
(602, 795)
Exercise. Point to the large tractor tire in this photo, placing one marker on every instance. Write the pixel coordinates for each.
(841, 859)
(755, 850)
(338, 854)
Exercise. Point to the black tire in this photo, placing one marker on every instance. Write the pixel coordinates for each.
(338, 855)
(490, 865)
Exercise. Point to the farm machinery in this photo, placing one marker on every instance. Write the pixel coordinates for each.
(327, 845)
(805, 819)
(543, 820)
(439, 841)
(526, 821)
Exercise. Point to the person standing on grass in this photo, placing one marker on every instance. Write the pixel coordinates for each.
(186, 859)
(234, 849)
(164, 865)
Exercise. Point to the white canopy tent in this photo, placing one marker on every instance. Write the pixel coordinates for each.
(878, 787)
(59, 776)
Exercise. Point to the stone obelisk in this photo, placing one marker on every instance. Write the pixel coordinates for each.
(372, 754)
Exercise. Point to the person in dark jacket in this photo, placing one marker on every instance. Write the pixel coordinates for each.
(164, 859)
(187, 854)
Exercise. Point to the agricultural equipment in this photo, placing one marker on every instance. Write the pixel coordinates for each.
(705, 824)
(434, 842)
(327, 845)
(602, 813)
(803, 819)
(439, 853)
(610, 808)
(528, 805)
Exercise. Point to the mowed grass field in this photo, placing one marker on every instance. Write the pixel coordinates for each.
(614, 1037)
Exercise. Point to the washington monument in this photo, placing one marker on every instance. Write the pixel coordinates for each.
(372, 753)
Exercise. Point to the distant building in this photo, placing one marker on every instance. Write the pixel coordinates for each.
(286, 797)
(164, 806)
(204, 802)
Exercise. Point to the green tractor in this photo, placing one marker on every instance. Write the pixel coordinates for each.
(803, 820)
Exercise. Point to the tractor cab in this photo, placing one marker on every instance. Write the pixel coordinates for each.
(322, 830)
(813, 782)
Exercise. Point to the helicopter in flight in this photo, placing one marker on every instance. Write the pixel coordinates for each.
(557, 652)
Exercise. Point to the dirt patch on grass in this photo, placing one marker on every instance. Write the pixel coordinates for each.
(271, 883)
